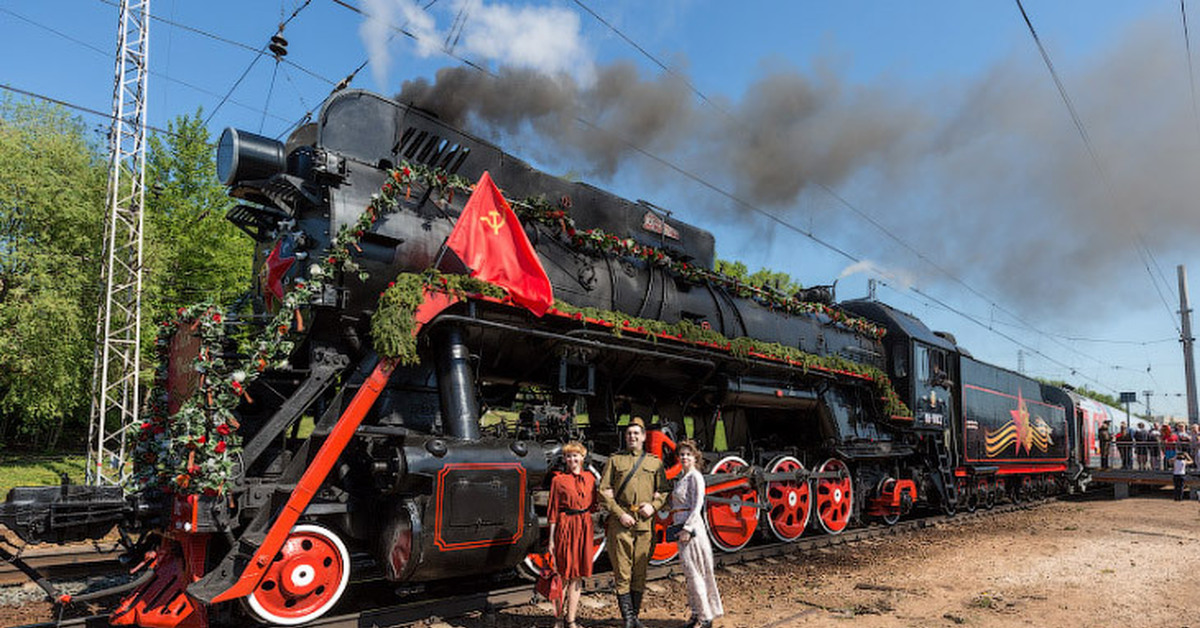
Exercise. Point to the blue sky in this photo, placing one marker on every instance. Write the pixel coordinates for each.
(925, 139)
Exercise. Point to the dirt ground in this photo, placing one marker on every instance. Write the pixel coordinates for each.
(1128, 563)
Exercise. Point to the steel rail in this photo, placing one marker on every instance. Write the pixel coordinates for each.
(59, 564)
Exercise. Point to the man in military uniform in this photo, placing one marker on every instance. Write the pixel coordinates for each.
(633, 487)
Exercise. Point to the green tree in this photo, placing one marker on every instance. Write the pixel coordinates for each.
(762, 277)
(52, 181)
(192, 253)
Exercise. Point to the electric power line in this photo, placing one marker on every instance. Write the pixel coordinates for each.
(69, 105)
(1187, 43)
(1143, 249)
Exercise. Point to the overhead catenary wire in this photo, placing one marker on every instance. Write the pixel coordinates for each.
(1143, 248)
(103, 114)
(108, 54)
(259, 55)
(1187, 45)
(666, 68)
(231, 42)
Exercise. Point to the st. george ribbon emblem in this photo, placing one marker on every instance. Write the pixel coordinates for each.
(493, 220)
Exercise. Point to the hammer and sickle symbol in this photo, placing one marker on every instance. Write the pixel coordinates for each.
(493, 220)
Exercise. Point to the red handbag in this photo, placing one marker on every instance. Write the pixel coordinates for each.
(550, 585)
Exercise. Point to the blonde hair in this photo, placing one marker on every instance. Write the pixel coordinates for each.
(574, 447)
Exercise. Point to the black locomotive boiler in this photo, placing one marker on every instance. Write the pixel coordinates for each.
(381, 417)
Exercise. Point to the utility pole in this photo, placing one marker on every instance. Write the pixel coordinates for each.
(1189, 361)
(115, 381)
(1148, 394)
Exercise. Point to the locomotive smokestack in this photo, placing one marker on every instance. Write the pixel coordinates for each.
(460, 411)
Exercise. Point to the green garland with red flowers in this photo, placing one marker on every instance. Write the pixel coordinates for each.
(557, 217)
(395, 319)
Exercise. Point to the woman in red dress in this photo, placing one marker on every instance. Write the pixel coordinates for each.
(572, 496)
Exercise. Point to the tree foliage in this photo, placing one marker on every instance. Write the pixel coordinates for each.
(52, 215)
(762, 277)
(192, 253)
(52, 182)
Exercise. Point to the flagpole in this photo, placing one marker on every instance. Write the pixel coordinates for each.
(437, 262)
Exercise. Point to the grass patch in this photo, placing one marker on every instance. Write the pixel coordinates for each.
(39, 470)
(988, 600)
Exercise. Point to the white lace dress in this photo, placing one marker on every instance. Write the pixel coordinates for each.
(687, 501)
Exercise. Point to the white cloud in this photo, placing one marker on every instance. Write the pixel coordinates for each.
(379, 28)
(542, 38)
(898, 278)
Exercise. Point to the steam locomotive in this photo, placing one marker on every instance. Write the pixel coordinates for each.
(295, 449)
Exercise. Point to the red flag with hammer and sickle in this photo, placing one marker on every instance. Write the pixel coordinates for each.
(489, 239)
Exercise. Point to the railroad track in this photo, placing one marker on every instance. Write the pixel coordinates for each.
(59, 563)
(508, 597)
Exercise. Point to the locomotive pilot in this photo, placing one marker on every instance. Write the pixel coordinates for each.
(634, 487)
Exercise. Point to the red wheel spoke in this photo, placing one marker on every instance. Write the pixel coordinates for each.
(732, 525)
(664, 552)
(790, 501)
(834, 497)
(305, 580)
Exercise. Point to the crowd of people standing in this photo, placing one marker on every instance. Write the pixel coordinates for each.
(1148, 446)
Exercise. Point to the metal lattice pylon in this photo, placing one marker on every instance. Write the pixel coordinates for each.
(115, 383)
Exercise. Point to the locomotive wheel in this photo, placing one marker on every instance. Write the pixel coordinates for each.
(975, 498)
(835, 497)
(790, 501)
(966, 495)
(885, 485)
(989, 499)
(732, 525)
(664, 552)
(307, 577)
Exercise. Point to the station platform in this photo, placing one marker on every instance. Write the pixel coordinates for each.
(1121, 480)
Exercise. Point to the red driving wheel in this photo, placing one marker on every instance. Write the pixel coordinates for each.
(834, 496)
(307, 577)
(731, 524)
(664, 551)
(790, 501)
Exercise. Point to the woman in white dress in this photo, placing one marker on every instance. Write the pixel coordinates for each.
(695, 550)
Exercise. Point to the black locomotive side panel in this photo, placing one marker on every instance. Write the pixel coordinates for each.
(1006, 420)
